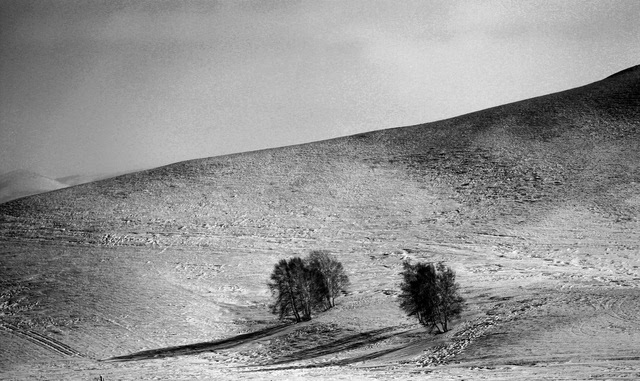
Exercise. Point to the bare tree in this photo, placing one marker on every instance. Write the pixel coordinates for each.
(297, 289)
(285, 286)
(303, 286)
(431, 294)
(332, 274)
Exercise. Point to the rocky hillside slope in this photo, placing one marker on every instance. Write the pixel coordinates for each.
(514, 163)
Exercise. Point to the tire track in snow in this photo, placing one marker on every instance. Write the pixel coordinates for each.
(40, 340)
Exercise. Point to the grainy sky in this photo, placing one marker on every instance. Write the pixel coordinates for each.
(108, 86)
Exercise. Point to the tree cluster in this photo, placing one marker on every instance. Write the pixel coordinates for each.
(303, 286)
(430, 293)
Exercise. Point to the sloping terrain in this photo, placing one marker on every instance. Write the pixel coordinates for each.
(162, 273)
(21, 183)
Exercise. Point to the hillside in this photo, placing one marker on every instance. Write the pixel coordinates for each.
(17, 184)
(535, 204)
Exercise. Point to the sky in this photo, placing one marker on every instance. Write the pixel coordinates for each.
(99, 87)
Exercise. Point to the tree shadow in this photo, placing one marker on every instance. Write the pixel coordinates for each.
(344, 344)
(347, 343)
(341, 362)
(210, 346)
(340, 345)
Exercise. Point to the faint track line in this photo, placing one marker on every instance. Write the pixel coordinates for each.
(607, 309)
(616, 310)
(40, 340)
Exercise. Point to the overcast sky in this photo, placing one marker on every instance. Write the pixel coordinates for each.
(108, 86)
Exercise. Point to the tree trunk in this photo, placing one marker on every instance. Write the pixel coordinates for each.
(294, 308)
(293, 302)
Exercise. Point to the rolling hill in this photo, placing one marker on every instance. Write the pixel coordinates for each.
(163, 272)
(20, 183)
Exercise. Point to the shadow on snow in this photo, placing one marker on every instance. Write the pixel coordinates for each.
(345, 344)
(210, 346)
(341, 362)
(341, 345)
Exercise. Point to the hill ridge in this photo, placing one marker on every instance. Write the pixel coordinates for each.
(632, 69)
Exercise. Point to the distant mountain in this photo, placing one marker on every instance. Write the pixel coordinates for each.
(21, 183)
(83, 179)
